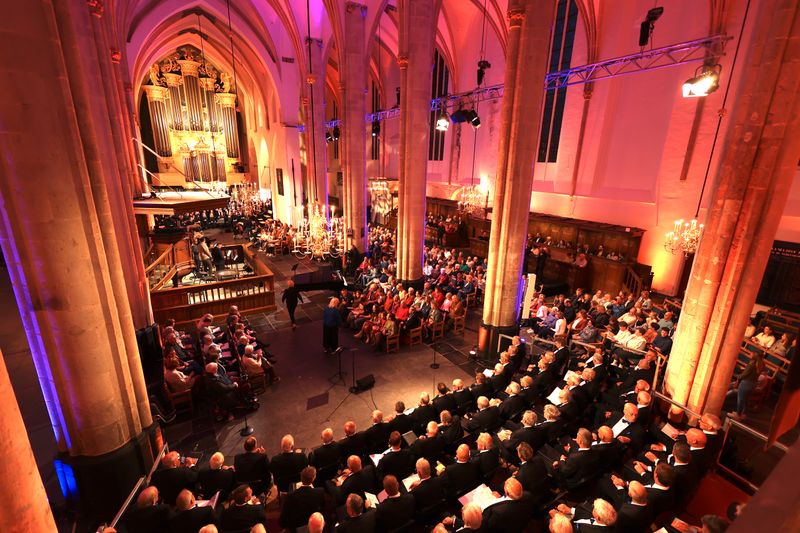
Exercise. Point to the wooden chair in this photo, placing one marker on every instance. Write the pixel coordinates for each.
(437, 330)
(181, 401)
(258, 383)
(392, 344)
(458, 324)
(415, 336)
(471, 300)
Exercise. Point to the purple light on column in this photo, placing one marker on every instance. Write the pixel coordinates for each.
(32, 332)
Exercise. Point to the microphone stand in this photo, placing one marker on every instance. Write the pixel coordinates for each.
(353, 388)
(434, 365)
(247, 429)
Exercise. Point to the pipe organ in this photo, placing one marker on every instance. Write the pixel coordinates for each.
(192, 109)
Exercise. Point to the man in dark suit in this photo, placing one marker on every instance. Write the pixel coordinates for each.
(357, 520)
(527, 391)
(561, 357)
(424, 413)
(401, 422)
(397, 509)
(188, 518)
(510, 515)
(353, 443)
(303, 502)
(252, 467)
(325, 458)
(514, 403)
(428, 492)
(463, 398)
(376, 434)
(287, 465)
(461, 476)
(497, 382)
(481, 387)
(172, 477)
(607, 448)
(244, 512)
(444, 400)
(397, 461)
(531, 473)
(450, 429)
(627, 429)
(485, 419)
(431, 445)
(579, 465)
(216, 477)
(354, 480)
(602, 517)
(471, 520)
(148, 515)
(635, 515)
(545, 378)
(486, 457)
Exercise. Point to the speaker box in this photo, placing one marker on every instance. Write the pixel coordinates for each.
(365, 383)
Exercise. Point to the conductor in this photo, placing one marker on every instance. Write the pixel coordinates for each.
(290, 297)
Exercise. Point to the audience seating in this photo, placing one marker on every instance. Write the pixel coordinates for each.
(392, 343)
(415, 336)
(458, 324)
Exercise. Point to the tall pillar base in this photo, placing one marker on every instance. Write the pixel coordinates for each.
(416, 284)
(489, 339)
(98, 485)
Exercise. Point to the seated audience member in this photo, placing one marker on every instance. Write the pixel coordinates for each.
(316, 523)
(510, 514)
(531, 473)
(325, 456)
(287, 465)
(357, 521)
(148, 515)
(601, 516)
(579, 465)
(397, 509)
(461, 476)
(765, 339)
(244, 511)
(176, 380)
(663, 343)
(353, 443)
(216, 477)
(188, 517)
(172, 477)
(355, 479)
(396, 461)
(485, 419)
(252, 466)
(471, 520)
(303, 502)
(428, 491)
(636, 514)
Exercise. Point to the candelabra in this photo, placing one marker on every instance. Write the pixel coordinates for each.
(319, 236)
(684, 237)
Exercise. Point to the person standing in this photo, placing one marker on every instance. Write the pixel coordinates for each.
(331, 320)
(290, 297)
(747, 381)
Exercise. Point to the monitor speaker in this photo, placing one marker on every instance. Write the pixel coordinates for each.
(365, 383)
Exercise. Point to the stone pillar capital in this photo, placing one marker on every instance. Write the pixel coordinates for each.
(96, 7)
(352, 6)
(402, 62)
(311, 79)
(515, 17)
(116, 55)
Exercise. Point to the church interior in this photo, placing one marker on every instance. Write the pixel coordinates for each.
(400, 266)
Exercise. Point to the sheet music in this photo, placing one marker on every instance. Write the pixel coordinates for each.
(488, 372)
(371, 499)
(376, 458)
(208, 503)
(482, 496)
(410, 480)
(553, 398)
(670, 431)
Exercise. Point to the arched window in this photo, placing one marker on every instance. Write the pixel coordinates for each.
(439, 88)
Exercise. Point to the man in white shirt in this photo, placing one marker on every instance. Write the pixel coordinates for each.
(765, 339)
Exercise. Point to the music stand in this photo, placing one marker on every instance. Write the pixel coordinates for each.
(338, 377)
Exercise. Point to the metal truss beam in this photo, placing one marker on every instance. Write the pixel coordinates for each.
(657, 58)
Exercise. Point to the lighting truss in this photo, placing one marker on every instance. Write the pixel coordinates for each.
(657, 58)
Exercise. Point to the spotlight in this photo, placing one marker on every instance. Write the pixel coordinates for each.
(336, 133)
(458, 116)
(376, 128)
(442, 122)
(704, 83)
(646, 29)
(473, 118)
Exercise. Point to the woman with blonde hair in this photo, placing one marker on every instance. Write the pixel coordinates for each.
(331, 320)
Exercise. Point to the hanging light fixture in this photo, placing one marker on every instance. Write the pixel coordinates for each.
(321, 234)
(442, 120)
(471, 199)
(685, 236)
(705, 82)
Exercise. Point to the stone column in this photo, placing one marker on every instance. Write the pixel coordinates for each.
(354, 90)
(25, 501)
(315, 127)
(417, 27)
(529, 24)
(757, 165)
(59, 238)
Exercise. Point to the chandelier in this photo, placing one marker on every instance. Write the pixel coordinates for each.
(247, 199)
(684, 237)
(319, 236)
(470, 201)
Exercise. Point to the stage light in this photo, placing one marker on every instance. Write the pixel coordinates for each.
(442, 121)
(475, 120)
(646, 29)
(376, 128)
(703, 84)
(336, 133)
(482, 66)
(328, 136)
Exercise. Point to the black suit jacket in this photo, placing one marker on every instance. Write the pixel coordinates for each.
(523, 434)
(483, 389)
(497, 382)
(459, 478)
(252, 466)
(355, 444)
(325, 455)
(532, 475)
(659, 500)
(358, 483)
(241, 517)
(483, 420)
(300, 505)
(192, 520)
(398, 464)
(429, 448)
(580, 465)
(402, 423)
(512, 407)
(422, 415)
(364, 523)
(634, 431)
(286, 466)
(464, 400)
(394, 512)
(445, 403)
(453, 432)
(609, 455)
(150, 519)
(211, 481)
(510, 516)
(428, 493)
(634, 518)
(377, 437)
(487, 461)
(170, 481)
